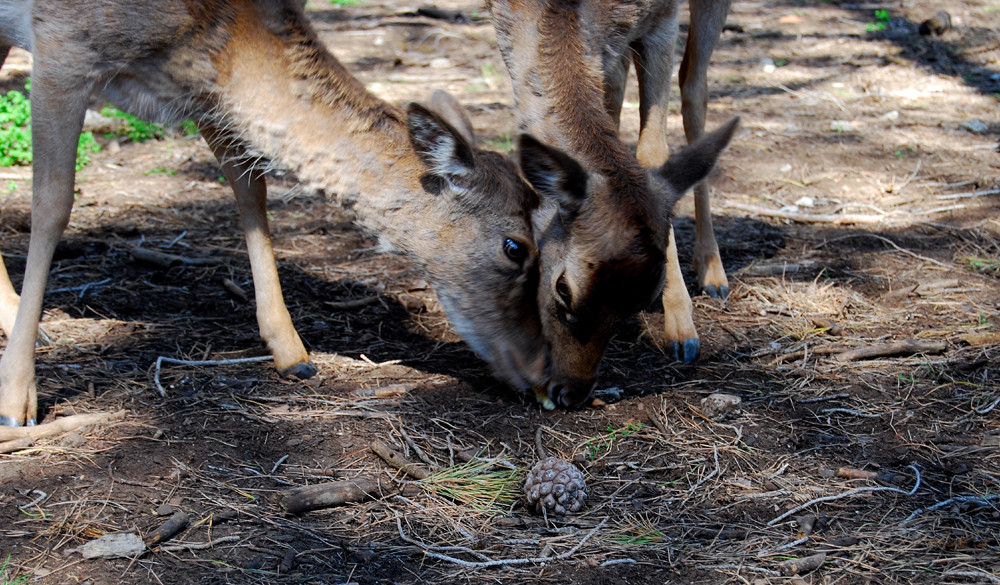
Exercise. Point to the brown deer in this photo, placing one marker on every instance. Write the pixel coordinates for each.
(260, 85)
(568, 60)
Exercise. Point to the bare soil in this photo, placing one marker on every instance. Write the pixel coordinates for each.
(857, 206)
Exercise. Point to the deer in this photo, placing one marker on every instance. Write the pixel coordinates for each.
(264, 91)
(610, 249)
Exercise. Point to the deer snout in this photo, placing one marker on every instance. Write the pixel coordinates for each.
(571, 394)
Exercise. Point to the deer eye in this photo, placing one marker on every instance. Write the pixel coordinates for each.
(514, 250)
(564, 292)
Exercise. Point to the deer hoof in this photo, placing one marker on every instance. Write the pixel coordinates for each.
(301, 370)
(716, 292)
(9, 421)
(684, 352)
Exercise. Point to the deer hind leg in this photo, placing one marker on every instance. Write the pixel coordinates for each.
(708, 17)
(290, 357)
(654, 63)
(8, 296)
(58, 104)
(615, 81)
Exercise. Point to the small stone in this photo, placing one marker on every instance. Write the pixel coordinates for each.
(806, 202)
(976, 126)
(164, 510)
(440, 63)
(841, 126)
(721, 406)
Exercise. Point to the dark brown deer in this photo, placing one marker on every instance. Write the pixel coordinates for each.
(261, 86)
(603, 252)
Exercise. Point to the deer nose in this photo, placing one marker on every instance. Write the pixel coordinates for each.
(571, 394)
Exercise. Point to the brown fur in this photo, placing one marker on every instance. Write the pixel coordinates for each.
(265, 91)
(603, 251)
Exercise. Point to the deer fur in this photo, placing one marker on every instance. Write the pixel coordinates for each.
(607, 250)
(262, 88)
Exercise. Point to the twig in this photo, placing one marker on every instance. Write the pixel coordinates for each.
(906, 346)
(973, 574)
(162, 360)
(351, 304)
(41, 497)
(278, 463)
(542, 453)
(416, 448)
(836, 219)
(969, 194)
(500, 562)
(60, 425)
(761, 570)
(397, 460)
(200, 545)
(850, 411)
(164, 260)
(849, 493)
(981, 500)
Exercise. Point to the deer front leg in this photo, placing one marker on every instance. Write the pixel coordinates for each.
(708, 17)
(290, 357)
(678, 324)
(57, 108)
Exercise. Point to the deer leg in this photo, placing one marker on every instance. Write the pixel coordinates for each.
(8, 296)
(58, 105)
(290, 357)
(678, 324)
(708, 17)
(654, 67)
(615, 80)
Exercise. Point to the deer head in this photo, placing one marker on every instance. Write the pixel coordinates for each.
(601, 239)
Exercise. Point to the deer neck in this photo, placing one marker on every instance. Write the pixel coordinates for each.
(297, 105)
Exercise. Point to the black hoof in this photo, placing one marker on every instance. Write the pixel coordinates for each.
(301, 370)
(716, 292)
(6, 421)
(686, 353)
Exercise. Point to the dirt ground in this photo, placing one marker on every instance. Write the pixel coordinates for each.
(857, 206)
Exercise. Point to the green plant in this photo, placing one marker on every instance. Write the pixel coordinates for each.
(346, 2)
(137, 130)
(978, 263)
(189, 128)
(15, 132)
(605, 442)
(3, 574)
(881, 21)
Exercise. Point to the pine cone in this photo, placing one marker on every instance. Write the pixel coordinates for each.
(555, 485)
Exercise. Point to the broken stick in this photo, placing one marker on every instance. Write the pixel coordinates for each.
(327, 495)
(60, 425)
(905, 347)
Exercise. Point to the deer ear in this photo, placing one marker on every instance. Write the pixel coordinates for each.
(556, 176)
(693, 163)
(445, 105)
(442, 148)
